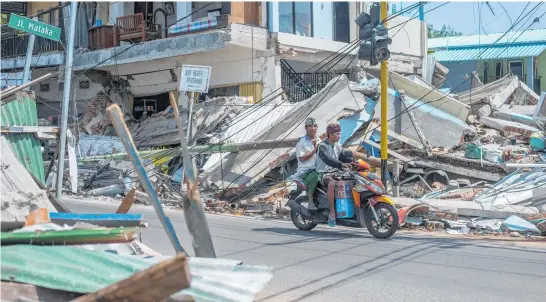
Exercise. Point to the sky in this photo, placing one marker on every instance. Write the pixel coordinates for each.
(465, 16)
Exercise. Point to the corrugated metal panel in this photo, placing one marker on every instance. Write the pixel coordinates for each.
(253, 89)
(489, 53)
(529, 36)
(83, 271)
(22, 112)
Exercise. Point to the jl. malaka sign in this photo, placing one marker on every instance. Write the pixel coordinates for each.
(34, 27)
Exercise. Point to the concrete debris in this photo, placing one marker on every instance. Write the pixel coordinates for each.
(20, 194)
(518, 224)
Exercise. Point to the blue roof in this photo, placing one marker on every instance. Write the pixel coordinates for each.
(489, 53)
(529, 36)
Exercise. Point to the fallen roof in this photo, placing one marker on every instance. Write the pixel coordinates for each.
(84, 271)
(244, 168)
(433, 97)
(429, 117)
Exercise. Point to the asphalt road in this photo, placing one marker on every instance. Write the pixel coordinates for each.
(343, 264)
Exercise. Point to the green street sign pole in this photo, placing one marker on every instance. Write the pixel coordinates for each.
(28, 60)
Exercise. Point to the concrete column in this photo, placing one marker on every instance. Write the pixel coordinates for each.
(117, 9)
(183, 9)
(530, 71)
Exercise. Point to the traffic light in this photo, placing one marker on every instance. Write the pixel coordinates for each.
(381, 45)
(374, 38)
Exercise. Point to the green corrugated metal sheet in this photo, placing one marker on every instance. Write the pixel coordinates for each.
(83, 271)
(489, 53)
(22, 112)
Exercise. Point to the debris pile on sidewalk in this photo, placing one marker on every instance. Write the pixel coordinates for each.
(50, 254)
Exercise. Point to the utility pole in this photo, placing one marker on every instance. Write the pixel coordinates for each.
(28, 59)
(66, 97)
(384, 104)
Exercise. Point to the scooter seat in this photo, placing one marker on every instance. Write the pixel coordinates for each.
(300, 184)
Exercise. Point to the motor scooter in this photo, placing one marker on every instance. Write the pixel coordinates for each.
(361, 201)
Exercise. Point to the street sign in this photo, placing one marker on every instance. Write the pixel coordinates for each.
(195, 78)
(37, 28)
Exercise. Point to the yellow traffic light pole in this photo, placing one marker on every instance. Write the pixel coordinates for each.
(384, 104)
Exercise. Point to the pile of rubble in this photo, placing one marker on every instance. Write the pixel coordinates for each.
(478, 150)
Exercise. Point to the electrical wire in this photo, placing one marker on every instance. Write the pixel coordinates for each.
(405, 22)
(294, 128)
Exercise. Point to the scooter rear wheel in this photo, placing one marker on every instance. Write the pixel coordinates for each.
(297, 220)
(388, 217)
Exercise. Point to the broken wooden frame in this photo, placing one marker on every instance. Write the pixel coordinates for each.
(118, 122)
(153, 284)
(193, 208)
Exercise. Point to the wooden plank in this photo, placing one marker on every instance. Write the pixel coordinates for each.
(390, 152)
(400, 137)
(193, 208)
(29, 129)
(28, 84)
(118, 121)
(153, 284)
(127, 202)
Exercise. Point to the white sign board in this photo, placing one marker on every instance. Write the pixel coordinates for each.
(195, 79)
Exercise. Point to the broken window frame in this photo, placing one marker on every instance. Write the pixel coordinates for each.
(294, 20)
(522, 77)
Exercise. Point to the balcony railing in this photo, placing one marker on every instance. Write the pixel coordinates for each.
(14, 45)
(301, 86)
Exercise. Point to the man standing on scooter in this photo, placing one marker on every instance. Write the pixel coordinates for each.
(332, 156)
(306, 150)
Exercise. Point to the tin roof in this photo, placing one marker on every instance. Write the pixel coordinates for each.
(80, 270)
(22, 112)
(528, 37)
(489, 53)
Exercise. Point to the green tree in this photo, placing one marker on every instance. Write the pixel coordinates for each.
(445, 31)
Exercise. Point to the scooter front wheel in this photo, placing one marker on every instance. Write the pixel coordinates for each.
(388, 220)
(300, 222)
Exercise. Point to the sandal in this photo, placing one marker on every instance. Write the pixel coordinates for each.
(332, 222)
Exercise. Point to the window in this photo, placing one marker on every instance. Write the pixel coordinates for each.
(498, 70)
(84, 84)
(296, 18)
(341, 22)
(485, 72)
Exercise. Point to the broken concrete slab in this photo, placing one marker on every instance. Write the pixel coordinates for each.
(244, 168)
(423, 93)
(508, 126)
(518, 224)
(426, 113)
(495, 93)
(20, 194)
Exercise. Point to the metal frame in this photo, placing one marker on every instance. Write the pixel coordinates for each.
(522, 68)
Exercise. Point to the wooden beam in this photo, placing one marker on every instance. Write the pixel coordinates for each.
(390, 152)
(29, 129)
(400, 137)
(153, 284)
(193, 208)
(28, 84)
(127, 202)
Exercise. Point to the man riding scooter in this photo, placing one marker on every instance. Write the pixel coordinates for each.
(306, 150)
(332, 156)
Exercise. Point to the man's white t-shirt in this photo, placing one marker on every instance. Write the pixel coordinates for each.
(304, 146)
